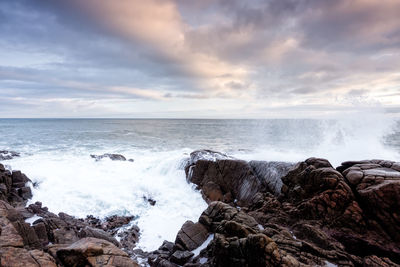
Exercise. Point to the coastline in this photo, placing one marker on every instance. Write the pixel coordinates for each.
(259, 214)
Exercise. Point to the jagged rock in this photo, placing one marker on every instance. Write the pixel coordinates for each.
(321, 193)
(93, 252)
(13, 187)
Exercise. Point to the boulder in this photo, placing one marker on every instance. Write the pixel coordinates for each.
(93, 252)
(223, 178)
(191, 235)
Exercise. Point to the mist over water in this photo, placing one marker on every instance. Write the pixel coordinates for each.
(56, 155)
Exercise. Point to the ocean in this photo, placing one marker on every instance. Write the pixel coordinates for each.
(55, 155)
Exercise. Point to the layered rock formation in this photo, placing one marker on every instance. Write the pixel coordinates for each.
(308, 214)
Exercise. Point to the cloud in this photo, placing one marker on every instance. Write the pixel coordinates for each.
(225, 53)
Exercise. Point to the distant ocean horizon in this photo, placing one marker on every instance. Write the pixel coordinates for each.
(55, 154)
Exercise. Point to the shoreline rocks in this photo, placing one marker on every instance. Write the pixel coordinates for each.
(303, 214)
(33, 236)
(259, 214)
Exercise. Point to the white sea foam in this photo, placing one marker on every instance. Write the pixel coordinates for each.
(32, 219)
(80, 186)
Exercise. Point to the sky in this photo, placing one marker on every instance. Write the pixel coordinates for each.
(199, 58)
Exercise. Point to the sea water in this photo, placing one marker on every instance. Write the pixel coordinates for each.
(55, 155)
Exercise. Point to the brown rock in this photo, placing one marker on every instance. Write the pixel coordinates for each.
(191, 235)
(93, 252)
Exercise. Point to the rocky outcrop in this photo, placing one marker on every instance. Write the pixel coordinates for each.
(224, 178)
(259, 214)
(114, 157)
(14, 187)
(306, 214)
(33, 236)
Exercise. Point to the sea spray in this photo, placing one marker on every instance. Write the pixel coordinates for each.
(81, 186)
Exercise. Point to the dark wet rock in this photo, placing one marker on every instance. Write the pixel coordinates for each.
(114, 157)
(7, 155)
(151, 201)
(14, 187)
(234, 177)
(129, 237)
(223, 178)
(270, 173)
(181, 257)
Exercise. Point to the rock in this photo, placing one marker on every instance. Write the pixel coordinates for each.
(20, 257)
(377, 184)
(234, 177)
(271, 173)
(223, 178)
(114, 157)
(93, 252)
(208, 155)
(212, 192)
(253, 250)
(97, 233)
(7, 155)
(372, 261)
(320, 192)
(191, 235)
(13, 187)
(181, 257)
(129, 238)
(151, 201)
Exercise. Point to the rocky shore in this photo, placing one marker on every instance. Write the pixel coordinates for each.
(259, 214)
